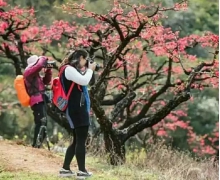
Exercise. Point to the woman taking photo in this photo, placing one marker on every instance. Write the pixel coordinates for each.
(77, 112)
(35, 86)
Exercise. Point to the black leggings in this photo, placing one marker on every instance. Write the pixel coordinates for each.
(39, 114)
(78, 148)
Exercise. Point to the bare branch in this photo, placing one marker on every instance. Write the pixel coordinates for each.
(172, 8)
(135, 9)
(155, 12)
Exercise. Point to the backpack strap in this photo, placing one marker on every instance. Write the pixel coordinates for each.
(72, 84)
(70, 89)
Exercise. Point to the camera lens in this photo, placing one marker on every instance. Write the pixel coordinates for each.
(50, 64)
(97, 68)
(91, 60)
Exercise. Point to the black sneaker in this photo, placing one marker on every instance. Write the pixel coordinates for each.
(66, 173)
(83, 175)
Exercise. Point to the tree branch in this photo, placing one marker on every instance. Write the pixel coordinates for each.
(151, 120)
(14, 59)
(114, 101)
(122, 104)
(68, 36)
(117, 27)
(154, 13)
(151, 100)
(53, 55)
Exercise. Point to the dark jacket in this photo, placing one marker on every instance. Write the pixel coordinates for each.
(78, 105)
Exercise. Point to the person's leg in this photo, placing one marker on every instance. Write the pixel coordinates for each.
(70, 152)
(38, 113)
(81, 136)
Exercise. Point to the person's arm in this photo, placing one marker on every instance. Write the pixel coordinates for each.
(48, 76)
(73, 75)
(33, 70)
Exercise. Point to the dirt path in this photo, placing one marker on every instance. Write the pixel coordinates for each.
(16, 157)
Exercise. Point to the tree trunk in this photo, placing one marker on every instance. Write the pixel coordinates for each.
(58, 117)
(54, 138)
(115, 149)
(114, 145)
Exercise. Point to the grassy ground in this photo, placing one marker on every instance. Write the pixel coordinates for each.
(159, 164)
(102, 171)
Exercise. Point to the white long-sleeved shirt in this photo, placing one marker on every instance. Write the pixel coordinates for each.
(73, 75)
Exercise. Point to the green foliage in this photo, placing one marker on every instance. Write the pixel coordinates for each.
(203, 112)
(7, 69)
(179, 139)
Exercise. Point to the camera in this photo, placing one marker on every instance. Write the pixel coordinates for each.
(91, 60)
(50, 64)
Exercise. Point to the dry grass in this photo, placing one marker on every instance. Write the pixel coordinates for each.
(162, 163)
(174, 165)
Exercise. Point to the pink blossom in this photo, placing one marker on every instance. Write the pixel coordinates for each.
(161, 133)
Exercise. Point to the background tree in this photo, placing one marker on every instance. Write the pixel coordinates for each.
(125, 39)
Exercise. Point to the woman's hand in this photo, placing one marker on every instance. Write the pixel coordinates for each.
(92, 65)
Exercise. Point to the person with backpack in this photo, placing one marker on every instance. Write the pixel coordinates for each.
(78, 108)
(35, 87)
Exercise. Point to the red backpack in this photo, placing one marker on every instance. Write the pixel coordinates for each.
(60, 98)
